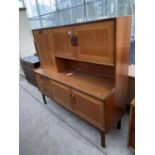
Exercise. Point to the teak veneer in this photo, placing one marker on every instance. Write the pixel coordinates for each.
(84, 67)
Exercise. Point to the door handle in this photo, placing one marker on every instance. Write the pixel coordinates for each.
(72, 40)
(75, 41)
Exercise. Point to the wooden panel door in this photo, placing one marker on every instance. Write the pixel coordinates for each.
(61, 40)
(96, 42)
(61, 94)
(88, 108)
(44, 85)
(43, 47)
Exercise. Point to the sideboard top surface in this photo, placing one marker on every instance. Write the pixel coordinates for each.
(92, 85)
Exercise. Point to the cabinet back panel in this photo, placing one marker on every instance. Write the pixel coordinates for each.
(95, 69)
(90, 68)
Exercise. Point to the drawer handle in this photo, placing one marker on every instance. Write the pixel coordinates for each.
(42, 77)
(70, 96)
(73, 99)
(44, 83)
(45, 89)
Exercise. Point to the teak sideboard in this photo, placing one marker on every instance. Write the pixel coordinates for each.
(84, 67)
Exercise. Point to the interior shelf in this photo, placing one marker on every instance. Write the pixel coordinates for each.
(89, 61)
(95, 86)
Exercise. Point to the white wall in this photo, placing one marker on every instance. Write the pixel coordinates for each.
(26, 46)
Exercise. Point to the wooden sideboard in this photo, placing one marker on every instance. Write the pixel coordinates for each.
(84, 67)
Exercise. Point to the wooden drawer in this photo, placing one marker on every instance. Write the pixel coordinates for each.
(44, 85)
(62, 94)
(88, 108)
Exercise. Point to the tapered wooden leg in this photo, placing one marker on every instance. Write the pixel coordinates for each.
(44, 98)
(119, 124)
(102, 138)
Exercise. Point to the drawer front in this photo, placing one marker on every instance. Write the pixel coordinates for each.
(89, 108)
(44, 85)
(62, 94)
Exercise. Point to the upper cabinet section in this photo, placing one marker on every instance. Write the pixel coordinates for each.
(61, 40)
(43, 47)
(96, 42)
(92, 42)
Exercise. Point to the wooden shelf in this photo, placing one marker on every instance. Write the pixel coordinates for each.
(77, 59)
(92, 85)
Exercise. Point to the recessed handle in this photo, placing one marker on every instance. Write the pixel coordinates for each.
(72, 97)
(40, 31)
(72, 40)
(42, 77)
(45, 89)
(75, 41)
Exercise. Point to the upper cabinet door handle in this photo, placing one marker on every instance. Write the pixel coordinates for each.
(40, 31)
(72, 40)
(75, 41)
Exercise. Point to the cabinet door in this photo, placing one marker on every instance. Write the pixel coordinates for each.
(61, 40)
(43, 47)
(88, 108)
(44, 85)
(61, 94)
(96, 42)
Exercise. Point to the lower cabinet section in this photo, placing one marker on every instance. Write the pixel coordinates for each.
(85, 106)
(88, 108)
(62, 94)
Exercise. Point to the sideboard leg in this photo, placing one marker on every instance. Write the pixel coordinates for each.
(119, 124)
(44, 98)
(102, 138)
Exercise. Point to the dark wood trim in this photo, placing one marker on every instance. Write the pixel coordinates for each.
(75, 24)
(22, 9)
(102, 139)
(119, 124)
(44, 98)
